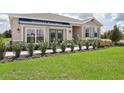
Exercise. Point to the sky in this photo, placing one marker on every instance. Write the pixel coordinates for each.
(107, 19)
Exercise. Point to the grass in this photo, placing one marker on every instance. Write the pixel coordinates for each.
(105, 64)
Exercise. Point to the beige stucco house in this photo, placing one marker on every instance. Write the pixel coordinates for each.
(48, 26)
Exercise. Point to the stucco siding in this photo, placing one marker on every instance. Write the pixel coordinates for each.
(21, 35)
(15, 27)
(91, 33)
(78, 27)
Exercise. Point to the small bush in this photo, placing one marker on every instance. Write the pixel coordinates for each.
(2, 48)
(105, 43)
(9, 48)
(30, 47)
(36, 46)
(80, 44)
(54, 45)
(43, 47)
(98, 45)
(17, 49)
(72, 45)
(94, 45)
(23, 47)
(87, 44)
(63, 46)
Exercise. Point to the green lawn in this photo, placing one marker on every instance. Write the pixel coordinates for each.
(101, 64)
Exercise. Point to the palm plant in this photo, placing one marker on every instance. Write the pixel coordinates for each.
(54, 45)
(63, 46)
(79, 43)
(87, 44)
(30, 48)
(43, 47)
(72, 45)
(17, 49)
(94, 45)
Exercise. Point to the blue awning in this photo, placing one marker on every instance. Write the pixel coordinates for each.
(42, 22)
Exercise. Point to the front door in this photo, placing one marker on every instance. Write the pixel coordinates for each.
(56, 34)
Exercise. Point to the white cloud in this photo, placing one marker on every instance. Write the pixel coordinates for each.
(4, 17)
(118, 17)
(4, 22)
(1, 23)
(99, 16)
(85, 15)
(114, 16)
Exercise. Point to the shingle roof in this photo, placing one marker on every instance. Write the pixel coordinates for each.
(54, 17)
(48, 16)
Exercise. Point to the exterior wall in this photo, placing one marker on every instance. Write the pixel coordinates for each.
(69, 33)
(18, 30)
(16, 35)
(20, 35)
(77, 32)
(87, 25)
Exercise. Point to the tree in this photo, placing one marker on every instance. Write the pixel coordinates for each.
(115, 34)
(7, 34)
(106, 35)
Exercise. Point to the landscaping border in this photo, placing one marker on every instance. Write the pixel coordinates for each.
(24, 57)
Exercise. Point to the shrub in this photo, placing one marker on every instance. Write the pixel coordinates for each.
(87, 44)
(36, 46)
(72, 45)
(105, 43)
(53, 46)
(2, 48)
(30, 47)
(23, 47)
(98, 43)
(63, 46)
(9, 48)
(79, 43)
(116, 34)
(94, 45)
(43, 47)
(17, 49)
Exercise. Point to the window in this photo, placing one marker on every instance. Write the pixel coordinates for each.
(39, 35)
(52, 35)
(87, 32)
(60, 36)
(35, 35)
(95, 34)
(30, 35)
(56, 34)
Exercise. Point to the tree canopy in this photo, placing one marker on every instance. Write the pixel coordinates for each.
(115, 34)
(7, 34)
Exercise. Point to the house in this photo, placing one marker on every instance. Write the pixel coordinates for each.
(47, 27)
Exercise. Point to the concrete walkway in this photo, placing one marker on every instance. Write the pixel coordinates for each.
(36, 52)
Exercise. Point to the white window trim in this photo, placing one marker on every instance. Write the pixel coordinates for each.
(43, 29)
